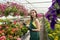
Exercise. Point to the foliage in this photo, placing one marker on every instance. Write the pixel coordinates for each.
(13, 8)
(53, 13)
(12, 30)
(53, 34)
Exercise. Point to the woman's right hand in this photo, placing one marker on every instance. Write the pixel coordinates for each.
(25, 25)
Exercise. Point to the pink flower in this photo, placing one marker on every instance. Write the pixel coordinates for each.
(19, 7)
(2, 38)
(18, 38)
(39, 15)
(2, 7)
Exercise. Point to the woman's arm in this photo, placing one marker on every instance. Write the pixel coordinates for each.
(37, 25)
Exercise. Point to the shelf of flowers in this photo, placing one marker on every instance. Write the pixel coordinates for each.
(12, 29)
(11, 18)
(53, 34)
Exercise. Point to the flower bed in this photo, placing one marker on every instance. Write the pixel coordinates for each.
(11, 30)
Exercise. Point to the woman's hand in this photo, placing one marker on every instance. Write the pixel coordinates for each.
(27, 26)
(24, 24)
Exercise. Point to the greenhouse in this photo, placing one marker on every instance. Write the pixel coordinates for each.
(29, 19)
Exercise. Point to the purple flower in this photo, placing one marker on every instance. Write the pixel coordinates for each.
(52, 25)
(53, 0)
(52, 13)
(58, 1)
(53, 3)
(53, 22)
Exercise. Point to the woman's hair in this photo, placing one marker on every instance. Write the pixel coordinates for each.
(35, 12)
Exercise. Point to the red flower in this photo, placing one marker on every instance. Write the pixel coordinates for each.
(0, 26)
(1, 32)
(14, 29)
(14, 22)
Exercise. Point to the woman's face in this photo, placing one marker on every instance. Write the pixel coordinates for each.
(33, 14)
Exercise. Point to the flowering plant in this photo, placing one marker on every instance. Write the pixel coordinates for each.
(53, 13)
(53, 34)
(11, 30)
(14, 8)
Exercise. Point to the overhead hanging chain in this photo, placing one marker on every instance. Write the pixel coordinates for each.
(29, 3)
(36, 3)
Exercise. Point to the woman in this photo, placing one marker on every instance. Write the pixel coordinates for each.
(35, 29)
(34, 26)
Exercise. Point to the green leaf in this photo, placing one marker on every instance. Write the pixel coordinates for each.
(56, 6)
(22, 13)
(14, 9)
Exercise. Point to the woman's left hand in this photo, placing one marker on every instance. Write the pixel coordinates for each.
(27, 26)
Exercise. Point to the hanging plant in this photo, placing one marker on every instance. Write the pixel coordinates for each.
(53, 13)
(13, 8)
